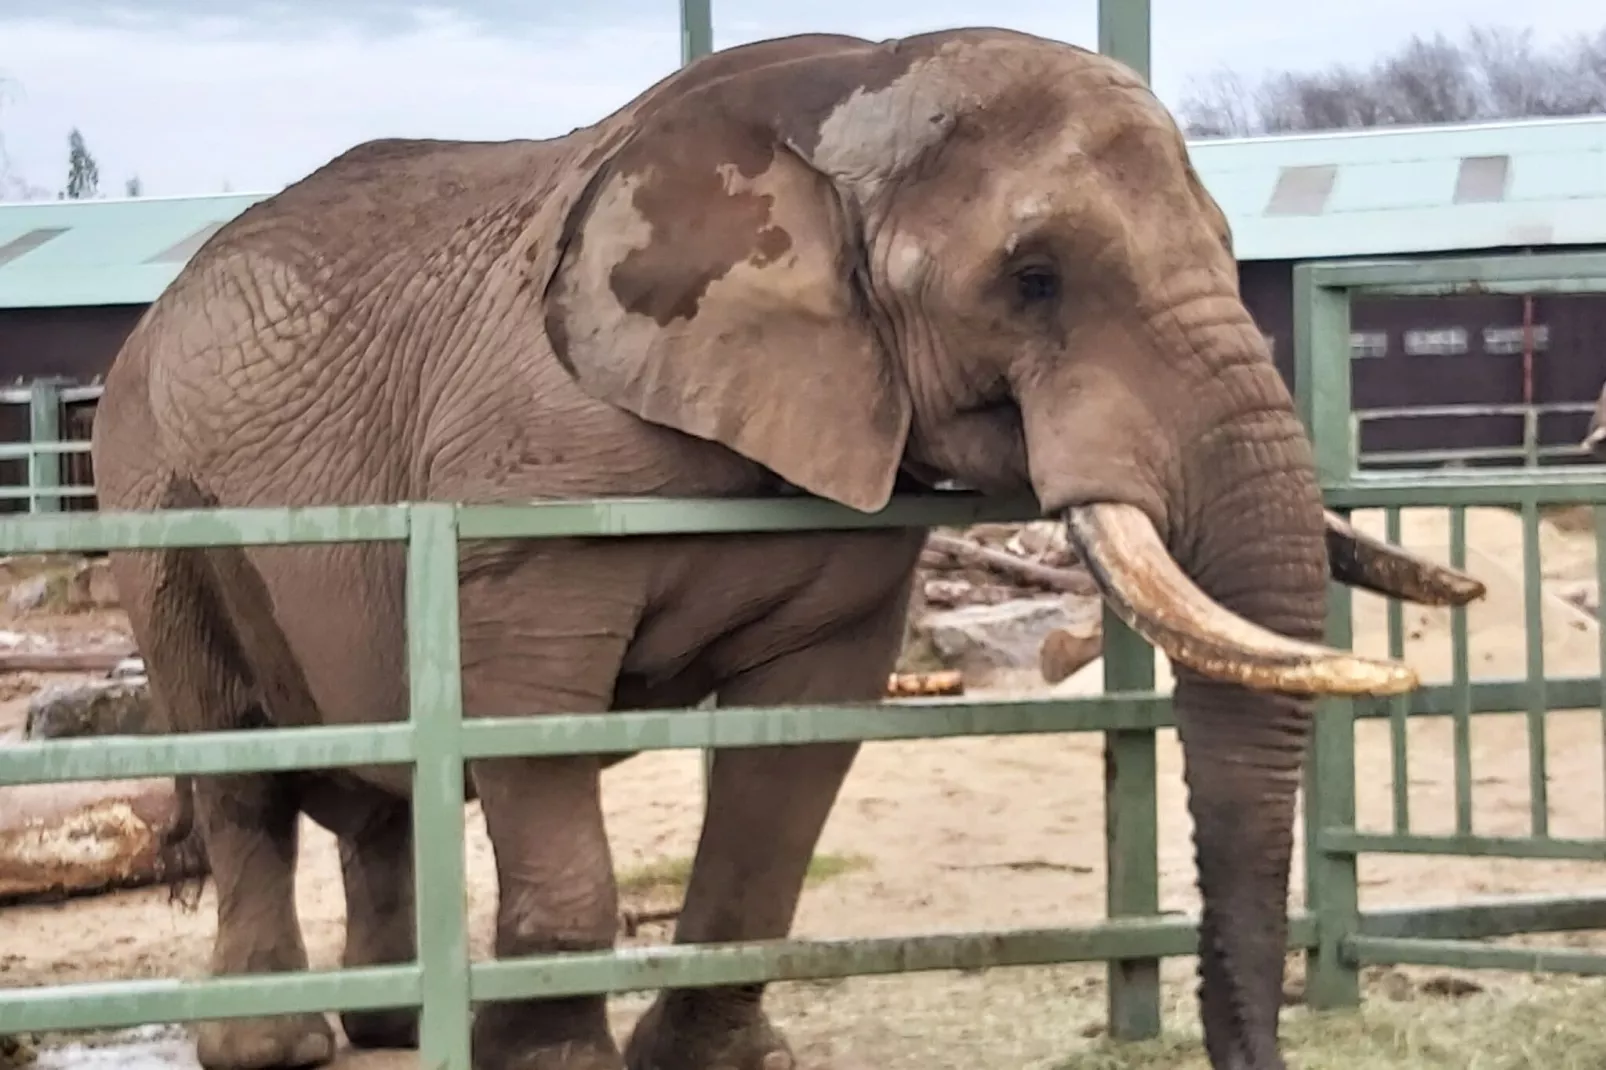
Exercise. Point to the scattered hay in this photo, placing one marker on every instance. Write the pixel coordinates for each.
(1556, 1024)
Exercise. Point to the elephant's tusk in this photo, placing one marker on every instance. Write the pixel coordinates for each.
(1149, 591)
(1358, 560)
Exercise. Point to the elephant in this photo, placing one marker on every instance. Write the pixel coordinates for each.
(1595, 435)
(814, 265)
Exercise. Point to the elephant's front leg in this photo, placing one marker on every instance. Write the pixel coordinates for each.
(548, 641)
(767, 806)
(555, 872)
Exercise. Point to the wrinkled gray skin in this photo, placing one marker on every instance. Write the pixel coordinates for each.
(813, 262)
(1595, 435)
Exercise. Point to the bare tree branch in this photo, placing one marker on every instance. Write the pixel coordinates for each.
(1492, 73)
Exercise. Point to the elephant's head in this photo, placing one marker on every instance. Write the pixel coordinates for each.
(982, 256)
(1595, 436)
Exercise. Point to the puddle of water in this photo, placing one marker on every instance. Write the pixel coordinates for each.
(149, 1047)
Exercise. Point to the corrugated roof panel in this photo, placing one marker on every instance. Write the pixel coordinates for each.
(1392, 192)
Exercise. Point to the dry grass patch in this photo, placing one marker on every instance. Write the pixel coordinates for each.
(1052, 1019)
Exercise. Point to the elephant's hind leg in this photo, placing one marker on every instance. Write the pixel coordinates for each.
(247, 822)
(766, 808)
(375, 833)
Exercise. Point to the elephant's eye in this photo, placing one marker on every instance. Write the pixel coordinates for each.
(1036, 284)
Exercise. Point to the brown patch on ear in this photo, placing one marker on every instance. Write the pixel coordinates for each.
(705, 285)
(730, 227)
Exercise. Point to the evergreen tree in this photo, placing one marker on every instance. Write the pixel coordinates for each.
(83, 173)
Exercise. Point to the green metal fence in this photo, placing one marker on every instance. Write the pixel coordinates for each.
(436, 741)
(1345, 941)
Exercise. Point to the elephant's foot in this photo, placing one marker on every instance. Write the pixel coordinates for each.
(396, 1028)
(679, 1034)
(565, 1034)
(290, 1040)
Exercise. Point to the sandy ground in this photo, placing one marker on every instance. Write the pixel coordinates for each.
(975, 834)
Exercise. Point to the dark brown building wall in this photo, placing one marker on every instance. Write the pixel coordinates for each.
(75, 344)
(1570, 365)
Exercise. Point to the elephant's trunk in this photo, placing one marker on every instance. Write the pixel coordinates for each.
(1239, 612)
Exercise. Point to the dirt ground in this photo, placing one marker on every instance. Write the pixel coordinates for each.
(969, 834)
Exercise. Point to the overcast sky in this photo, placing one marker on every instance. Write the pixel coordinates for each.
(193, 102)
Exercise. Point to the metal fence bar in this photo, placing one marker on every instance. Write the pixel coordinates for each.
(1131, 834)
(1460, 954)
(1534, 638)
(1346, 840)
(696, 29)
(1399, 708)
(118, 1004)
(1599, 514)
(1332, 886)
(44, 425)
(1460, 681)
(435, 695)
(276, 750)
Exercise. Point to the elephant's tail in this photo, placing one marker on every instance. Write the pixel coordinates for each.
(232, 653)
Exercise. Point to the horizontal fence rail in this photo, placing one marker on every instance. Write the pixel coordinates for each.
(1529, 452)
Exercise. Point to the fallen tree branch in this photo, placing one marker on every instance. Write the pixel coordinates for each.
(1065, 580)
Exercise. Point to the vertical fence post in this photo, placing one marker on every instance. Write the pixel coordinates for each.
(435, 698)
(697, 39)
(1322, 386)
(696, 29)
(1131, 819)
(1131, 835)
(1124, 31)
(44, 428)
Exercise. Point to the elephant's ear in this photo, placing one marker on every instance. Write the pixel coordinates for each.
(707, 284)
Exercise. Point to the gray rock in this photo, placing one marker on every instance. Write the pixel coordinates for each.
(29, 594)
(74, 588)
(102, 708)
(983, 638)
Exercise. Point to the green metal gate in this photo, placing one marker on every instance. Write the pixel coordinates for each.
(1347, 938)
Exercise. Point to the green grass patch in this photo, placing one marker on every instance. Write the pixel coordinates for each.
(669, 876)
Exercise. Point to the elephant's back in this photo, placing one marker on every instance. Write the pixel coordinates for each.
(290, 361)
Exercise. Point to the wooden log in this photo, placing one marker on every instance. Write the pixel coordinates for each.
(86, 837)
(925, 684)
(1065, 650)
(1066, 580)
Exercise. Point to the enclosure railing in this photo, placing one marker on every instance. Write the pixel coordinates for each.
(46, 446)
(1323, 294)
(436, 741)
